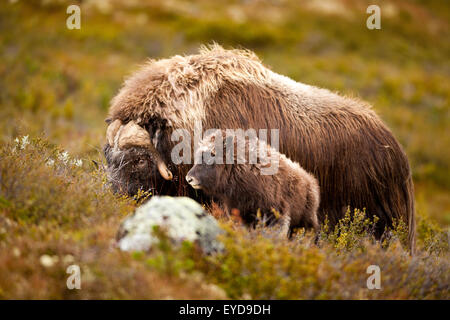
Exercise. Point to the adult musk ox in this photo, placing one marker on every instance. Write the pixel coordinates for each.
(272, 184)
(340, 140)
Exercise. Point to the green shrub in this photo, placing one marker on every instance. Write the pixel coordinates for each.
(431, 237)
(42, 184)
(351, 232)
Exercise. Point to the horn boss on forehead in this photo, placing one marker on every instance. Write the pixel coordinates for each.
(133, 135)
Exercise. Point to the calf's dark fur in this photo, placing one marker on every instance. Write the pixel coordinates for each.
(290, 195)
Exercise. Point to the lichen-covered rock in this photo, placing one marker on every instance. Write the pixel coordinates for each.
(182, 219)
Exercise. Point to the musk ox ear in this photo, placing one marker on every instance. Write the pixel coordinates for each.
(112, 130)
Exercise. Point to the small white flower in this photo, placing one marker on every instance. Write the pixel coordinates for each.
(64, 157)
(77, 162)
(50, 162)
(25, 141)
(48, 261)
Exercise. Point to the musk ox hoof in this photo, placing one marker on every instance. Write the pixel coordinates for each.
(182, 219)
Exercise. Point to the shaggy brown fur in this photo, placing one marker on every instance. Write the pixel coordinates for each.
(340, 140)
(290, 191)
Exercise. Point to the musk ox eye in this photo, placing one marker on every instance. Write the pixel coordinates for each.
(142, 163)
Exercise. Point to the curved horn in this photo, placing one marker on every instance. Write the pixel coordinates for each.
(112, 131)
(163, 170)
(134, 135)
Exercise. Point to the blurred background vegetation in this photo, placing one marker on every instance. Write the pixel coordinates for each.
(57, 83)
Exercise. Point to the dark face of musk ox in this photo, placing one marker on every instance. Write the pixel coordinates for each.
(132, 170)
(205, 176)
(133, 161)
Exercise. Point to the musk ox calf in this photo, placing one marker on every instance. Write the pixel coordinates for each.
(340, 140)
(238, 183)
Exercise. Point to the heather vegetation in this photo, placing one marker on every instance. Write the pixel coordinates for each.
(57, 210)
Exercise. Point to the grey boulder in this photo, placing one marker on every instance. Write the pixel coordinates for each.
(180, 217)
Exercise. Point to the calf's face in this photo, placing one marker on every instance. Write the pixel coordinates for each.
(203, 176)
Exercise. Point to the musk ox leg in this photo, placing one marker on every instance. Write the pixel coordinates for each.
(285, 225)
(315, 222)
(310, 214)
